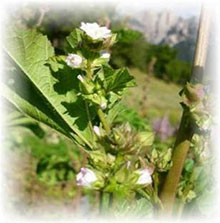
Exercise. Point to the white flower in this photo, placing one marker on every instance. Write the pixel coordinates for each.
(85, 177)
(105, 55)
(103, 105)
(74, 60)
(128, 164)
(80, 77)
(96, 130)
(145, 177)
(95, 31)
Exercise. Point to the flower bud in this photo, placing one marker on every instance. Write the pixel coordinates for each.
(74, 60)
(128, 164)
(105, 55)
(146, 138)
(96, 130)
(127, 127)
(194, 93)
(103, 105)
(80, 77)
(145, 177)
(85, 177)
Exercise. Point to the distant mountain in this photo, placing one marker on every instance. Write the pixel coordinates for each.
(166, 27)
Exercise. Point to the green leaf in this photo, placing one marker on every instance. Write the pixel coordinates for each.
(39, 113)
(113, 113)
(98, 159)
(189, 164)
(30, 50)
(118, 80)
(146, 138)
(128, 36)
(131, 116)
(75, 38)
(133, 208)
(17, 119)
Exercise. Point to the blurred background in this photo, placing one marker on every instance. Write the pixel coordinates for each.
(156, 43)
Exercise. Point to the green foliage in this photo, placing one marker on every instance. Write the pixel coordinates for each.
(58, 25)
(160, 98)
(124, 53)
(74, 94)
(161, 158)
(117, 81)
(80, 98)
(75, 38)
(31, 62)
(136, 208)
(164, 55)
(15, 119)
(167, 66)
(196, 101)
(195, 180)
(55, 163)
(128, 35)
(133, 118)
(178, 71)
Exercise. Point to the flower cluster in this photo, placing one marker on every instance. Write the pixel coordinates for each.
(161, 159)
(89, 56)
(86, 177)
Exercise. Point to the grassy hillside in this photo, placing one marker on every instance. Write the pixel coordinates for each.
(154, 98)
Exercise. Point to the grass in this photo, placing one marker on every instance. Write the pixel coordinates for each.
(154, 98)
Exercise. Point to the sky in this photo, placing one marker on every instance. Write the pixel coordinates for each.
(182, 9)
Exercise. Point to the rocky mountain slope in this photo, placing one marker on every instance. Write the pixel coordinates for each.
(166, 27)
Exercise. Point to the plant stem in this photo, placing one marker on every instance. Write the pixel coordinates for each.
(180, 210)
(186, 131)
(89, 75)
(181, 149)
(103, 121)
(156, 182)
(89, 118)
(89, 70)
(110, 200)
(41, 17)
(101, 195)
(100, 112)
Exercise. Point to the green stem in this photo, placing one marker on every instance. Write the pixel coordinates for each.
(101, 195)
(103, 121)
(185, 132)
(89, 118)
(156, 182)
(89, 75)
(111, 197)
(89, 70)
(181, 149)
(180, 210)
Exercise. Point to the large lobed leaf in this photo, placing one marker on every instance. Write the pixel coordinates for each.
(46, 102)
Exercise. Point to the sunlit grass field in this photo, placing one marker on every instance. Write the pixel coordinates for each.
(154, 98)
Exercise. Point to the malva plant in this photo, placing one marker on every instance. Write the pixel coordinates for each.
(78, 95)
